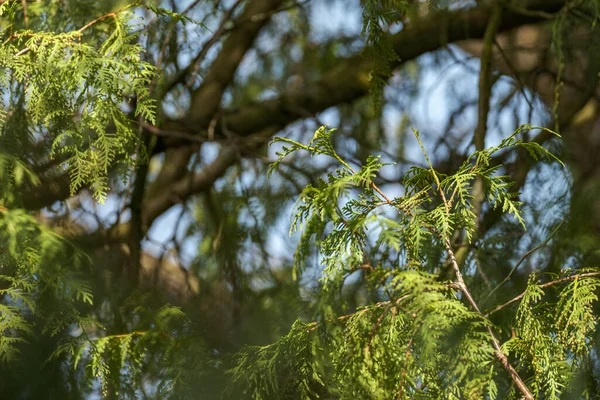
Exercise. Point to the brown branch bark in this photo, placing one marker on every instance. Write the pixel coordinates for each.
(483, 110)
(543, 286)
(460, 283)
(514, 375)
(206, 100)
(346, 82)
(483, 106)
(349, 79)
(187, 74)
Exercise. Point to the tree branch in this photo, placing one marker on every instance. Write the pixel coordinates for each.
(191, 69)
(346, 82)
(465, 291)
(543, 286)
(523, 258)
(483, 106)
(483, 109)
(349, 79)
(206, 99)
(187, 185)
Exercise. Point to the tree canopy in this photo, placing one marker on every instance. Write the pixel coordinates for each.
(269, 199)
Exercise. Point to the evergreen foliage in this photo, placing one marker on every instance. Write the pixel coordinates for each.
(72, 90)
(397, 310)
(421, 341)
(42, 282)
(71, 86)
(377, 16)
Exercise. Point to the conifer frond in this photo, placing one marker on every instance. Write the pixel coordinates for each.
(41, 269)
(116, 361)
(423, 332)
(77, 89)
(377, 16)
(283, 369)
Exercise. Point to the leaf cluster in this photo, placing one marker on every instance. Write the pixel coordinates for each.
(421, 340)
(76, 89)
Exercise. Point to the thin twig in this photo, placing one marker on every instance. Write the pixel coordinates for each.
(313, 325)
(523, 258)
(403, 375)
(514, 72)
(353, 171)
(101, 18)
(214, 39)
(495, 342)
(529, 13)
(169, 133)
(86, 26)
(465, 291)
(195, 64)
(543, 286)
(376, 328)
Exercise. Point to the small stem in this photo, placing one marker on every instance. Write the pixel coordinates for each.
(403, 376)
(108, 15)
(499, 353)
(463, 288)
(543, 286)
(345, 164)
(435, 177)
(483, 105)
(86, 26)
(313, 325)
(518, 264)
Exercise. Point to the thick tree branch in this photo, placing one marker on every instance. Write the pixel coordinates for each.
(349, 79)
(483, 110)
(346, 82)
(190, 184)
(206, 100)
(187, 74)
(52, 190)
(483, 106)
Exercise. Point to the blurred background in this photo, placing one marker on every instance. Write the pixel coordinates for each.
(201, 226)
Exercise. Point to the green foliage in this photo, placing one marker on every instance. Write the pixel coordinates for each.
(117, 361)
(422, 340)
(14, 174)
(554, 337)
(417, 219)
(281, 370)
(75, 87)
(377, 15)
(41, 280)
(78, 96)
(78, 91)
(394, 347)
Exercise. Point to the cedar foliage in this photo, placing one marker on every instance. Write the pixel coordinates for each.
(71, 89)
(421, 340)
(79, 91)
